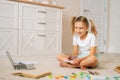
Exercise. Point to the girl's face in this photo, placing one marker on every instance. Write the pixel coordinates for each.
(81, 29)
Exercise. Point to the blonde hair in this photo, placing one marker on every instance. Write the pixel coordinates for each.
(85, 20)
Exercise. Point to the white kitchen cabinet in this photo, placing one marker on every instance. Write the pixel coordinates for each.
(8, 27)
(27, 29)
(40, 30)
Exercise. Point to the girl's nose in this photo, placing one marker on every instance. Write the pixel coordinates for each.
(78, 30)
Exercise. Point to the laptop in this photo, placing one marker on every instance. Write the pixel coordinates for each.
(18, 65)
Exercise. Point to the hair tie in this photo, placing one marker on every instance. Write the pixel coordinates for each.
(76, 17)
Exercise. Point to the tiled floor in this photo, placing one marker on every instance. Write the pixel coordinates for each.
(49, 63)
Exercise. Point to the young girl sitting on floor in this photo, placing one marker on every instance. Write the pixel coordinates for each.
(84, 45)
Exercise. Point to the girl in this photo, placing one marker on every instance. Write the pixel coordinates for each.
(84, 45)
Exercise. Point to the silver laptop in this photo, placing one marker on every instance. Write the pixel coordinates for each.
(18, 65)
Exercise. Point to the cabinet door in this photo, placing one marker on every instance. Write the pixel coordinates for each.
(31, 43)
(8, 41)
(53, 43)
(8, 15)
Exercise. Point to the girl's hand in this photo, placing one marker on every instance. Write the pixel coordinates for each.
(76, 61)
(71, 57)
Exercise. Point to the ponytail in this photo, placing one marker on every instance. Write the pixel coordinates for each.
(93, 28)
(73, 24)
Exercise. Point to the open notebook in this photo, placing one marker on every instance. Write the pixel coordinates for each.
(18, 65)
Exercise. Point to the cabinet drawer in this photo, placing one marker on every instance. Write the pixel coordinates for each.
(32, 24)
(8, 14)
(8, 9)
(53, 13)
(53, 25)
(28, 10)
(39, 24)
(8, 23)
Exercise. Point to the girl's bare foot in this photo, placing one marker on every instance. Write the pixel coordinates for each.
(64, 64)
(83, 68)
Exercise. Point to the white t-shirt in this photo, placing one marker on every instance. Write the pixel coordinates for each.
(84, 45)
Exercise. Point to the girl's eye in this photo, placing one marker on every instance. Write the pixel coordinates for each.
(81, 28)
(75, 27)
(78, 27)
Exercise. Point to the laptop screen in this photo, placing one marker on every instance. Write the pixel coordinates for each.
(10, 58)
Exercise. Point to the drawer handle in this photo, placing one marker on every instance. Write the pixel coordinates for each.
(42, 23)
(42, 12)
(86, 10)
(41, 35)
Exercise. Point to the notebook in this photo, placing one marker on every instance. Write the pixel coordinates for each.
(18, 65)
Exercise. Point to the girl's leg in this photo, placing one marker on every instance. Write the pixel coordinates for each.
(89, 62)
(64, 64)
(61, 58)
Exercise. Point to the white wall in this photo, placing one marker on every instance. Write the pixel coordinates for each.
(114, 27)
(72, 8)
